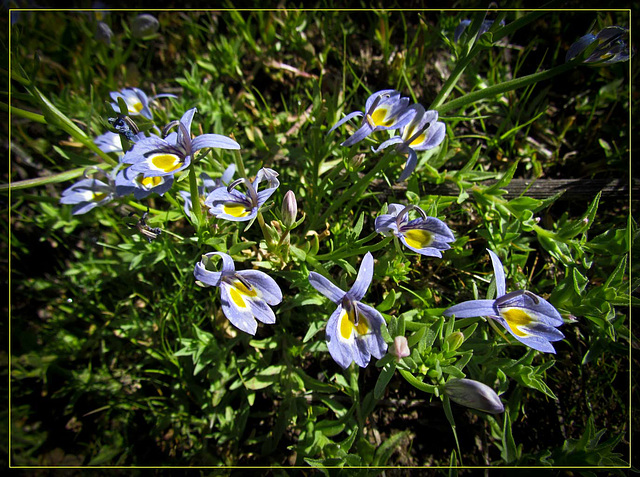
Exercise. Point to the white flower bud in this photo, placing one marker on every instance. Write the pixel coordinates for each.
(400, 347)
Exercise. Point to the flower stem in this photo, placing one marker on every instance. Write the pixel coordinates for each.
(195, 196)
(239, 164)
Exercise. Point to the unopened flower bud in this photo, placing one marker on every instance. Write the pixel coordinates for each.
(144, 25)
(289, 209)
(104, 33)
(474, 394)
(400, 347)
(454, 340)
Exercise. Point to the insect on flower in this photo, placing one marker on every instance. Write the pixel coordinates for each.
(424, 235)
(126, 126)
(246, 295)
(527, 317)
(384, 110)
(354, 330)
(150, 233)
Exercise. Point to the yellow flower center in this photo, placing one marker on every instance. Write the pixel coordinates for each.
(378, 118)
(237, 290)
(418, 140)
(149, 182)
(347, 324)
(515, 318)
(235, 210)
(98, 197)
(166, 162)
(418, 238)
(135, 107)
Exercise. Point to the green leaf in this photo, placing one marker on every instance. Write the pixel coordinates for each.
(383, 379)
(265, 378)
(509, 451)
(386, 449)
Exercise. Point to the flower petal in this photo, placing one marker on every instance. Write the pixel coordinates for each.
(375, 343)
(342, 350)
(539, 308)
(269, 289)
(186, 120)
(349, 116)
(539, 341)
(359, 135)
(386, 223)
(214, 140)
(262, 311)
(228, 173)
(212, 278)
(240, 316)
(498, 270)
(387, 143)
(471, 308)
(363, 280)
(410, 165)
(435, 135)
(230, 205)
(324, 286)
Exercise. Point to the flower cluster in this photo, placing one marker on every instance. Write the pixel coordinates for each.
(355, 331)
(387, 110)
(151, 164)
(611, 45)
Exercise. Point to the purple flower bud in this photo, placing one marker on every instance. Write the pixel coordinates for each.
(289, 209)
(104, 33)
(473, 394)
(144, 25)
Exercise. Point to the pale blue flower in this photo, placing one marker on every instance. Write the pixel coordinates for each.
(153, 156)
(246, 295)
(354, 330)
(109, 142)
(230, 204)
(89, 192)
(208, 186)
(425, 235)
(384, 110)
(422, 133)
(128, 182)
(529, 318)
